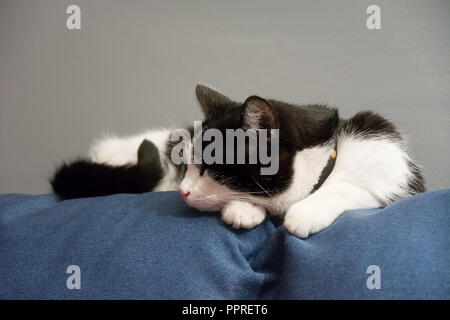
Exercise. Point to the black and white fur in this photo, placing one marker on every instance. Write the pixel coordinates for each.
(372, 167)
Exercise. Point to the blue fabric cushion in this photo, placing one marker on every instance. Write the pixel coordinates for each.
(152, 246)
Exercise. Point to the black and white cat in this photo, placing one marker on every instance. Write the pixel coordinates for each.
(326, 165)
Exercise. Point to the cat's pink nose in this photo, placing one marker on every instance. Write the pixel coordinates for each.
(184, 194)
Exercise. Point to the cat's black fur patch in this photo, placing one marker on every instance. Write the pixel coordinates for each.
(371, 125)
(305, 126)
(83, 178)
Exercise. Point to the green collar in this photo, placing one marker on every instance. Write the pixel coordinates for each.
(328, 168)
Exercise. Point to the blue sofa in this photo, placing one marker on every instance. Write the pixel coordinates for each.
(152, 246)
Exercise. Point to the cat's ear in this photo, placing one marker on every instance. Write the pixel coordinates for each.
(210, 100)
(258, 114)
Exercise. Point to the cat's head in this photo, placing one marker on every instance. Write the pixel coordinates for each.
(212, 184)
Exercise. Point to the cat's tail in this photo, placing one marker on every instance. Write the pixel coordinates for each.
(84, 178)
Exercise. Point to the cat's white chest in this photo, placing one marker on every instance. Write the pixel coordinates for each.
(307, 167)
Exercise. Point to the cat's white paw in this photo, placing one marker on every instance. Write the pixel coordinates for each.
(241, 214)
(306, 217)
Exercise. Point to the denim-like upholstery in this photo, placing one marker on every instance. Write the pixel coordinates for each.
(152, 246)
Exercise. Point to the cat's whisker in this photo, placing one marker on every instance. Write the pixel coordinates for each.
(254, 179)
(240, 193)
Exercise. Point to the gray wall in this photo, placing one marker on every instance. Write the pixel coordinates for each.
(134, 65)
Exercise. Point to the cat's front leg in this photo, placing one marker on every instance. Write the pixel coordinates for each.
(320, 209)
(309, 216)
(241, 214)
